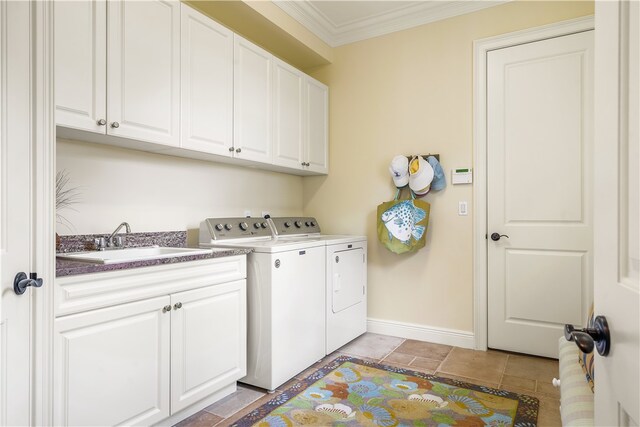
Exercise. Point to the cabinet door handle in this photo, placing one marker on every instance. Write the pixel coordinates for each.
(177, 305)
(101, 122)
(166, 308)
(238, 150)
(231, 149)
(115, 125)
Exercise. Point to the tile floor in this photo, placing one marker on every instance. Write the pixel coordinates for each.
(512, 372)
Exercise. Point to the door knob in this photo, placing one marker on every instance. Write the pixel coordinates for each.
(496, 236)
(21, 282)
(586, 339)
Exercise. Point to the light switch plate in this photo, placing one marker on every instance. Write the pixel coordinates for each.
(462, 208)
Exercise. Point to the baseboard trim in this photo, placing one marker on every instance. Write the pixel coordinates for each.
(413, 331)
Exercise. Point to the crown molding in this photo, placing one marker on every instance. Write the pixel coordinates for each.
(403, 18)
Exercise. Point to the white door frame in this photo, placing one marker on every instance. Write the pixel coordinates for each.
(480, 50)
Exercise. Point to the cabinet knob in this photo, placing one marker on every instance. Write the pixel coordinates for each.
(177, 305)
(231, 149)
(238, 150)
(303, 164)
(115, 125)
(166, 308)
(101, 122)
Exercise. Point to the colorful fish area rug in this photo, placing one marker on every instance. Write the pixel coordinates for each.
(352, 392)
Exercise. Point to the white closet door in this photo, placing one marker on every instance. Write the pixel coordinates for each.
(207, 84)
(252, 128)
(539, 194)
(143, 83)
(288, 115)
(80, 64)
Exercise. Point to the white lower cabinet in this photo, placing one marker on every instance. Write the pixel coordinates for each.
(208, 341)
(112, 365)
(140, 362)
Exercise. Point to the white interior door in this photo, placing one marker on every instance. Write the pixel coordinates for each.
(15, 207)
(616, 212)
(539, 157)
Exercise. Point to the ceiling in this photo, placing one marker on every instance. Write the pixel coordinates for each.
(347, 21)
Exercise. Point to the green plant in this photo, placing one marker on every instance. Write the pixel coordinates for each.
(66, 196)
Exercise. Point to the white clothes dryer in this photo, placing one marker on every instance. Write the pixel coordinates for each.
(285, 298)
(345, 273)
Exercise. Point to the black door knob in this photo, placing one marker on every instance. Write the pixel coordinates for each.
(597, 336)
(496, 236)
(21, 282)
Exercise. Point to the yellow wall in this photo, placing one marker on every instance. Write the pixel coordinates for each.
(411, 92)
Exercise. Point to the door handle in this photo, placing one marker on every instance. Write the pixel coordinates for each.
(496, 236)
(21, 282)
(586, 339)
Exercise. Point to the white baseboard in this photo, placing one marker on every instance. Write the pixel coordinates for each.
(413, 331)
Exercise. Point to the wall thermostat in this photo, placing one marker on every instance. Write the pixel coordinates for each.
(461, 176)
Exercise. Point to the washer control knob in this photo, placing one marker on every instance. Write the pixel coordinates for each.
(307, 223)
(256, 225)
(244, 226)
(313, 224)
(287, 224)
(228, 227)
(298, 224)
(263, 225)
(219, 227)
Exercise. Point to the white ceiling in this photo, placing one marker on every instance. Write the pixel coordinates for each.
(339, 22)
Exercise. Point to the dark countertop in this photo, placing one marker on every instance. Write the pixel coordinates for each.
(84, 242)
(71, 268)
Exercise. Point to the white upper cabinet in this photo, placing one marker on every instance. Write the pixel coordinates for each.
(143, 78)
(80, 64)
(316, 151)
(206, 84)
(288, 115)
(252, 101)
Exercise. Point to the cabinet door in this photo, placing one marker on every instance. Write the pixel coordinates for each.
(208, 341)
(207, 84)
(143, 79)
(80, 64)
(252, 102)
(317, 126)
(112, 365)
(288, 115)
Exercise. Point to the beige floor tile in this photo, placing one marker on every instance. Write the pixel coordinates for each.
(548, 389)
(535, 368)
(424, 349)
(549, 412)
(486, 366)
(467, 379)
(231, 404)
(371, 346)
(235, 417)
(398, 358)
(200, 419)
(521, 383)
(421, 362)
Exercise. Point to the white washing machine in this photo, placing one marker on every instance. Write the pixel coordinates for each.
(346, 277)
(285, 298)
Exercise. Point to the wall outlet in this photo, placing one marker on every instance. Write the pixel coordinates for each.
(247, 213)
(462, 208)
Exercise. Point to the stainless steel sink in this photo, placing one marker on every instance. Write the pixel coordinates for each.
(117, 256)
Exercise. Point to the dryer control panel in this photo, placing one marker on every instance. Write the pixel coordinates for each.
(292, 225)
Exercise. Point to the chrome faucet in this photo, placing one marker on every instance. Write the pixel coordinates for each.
(112, 241)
